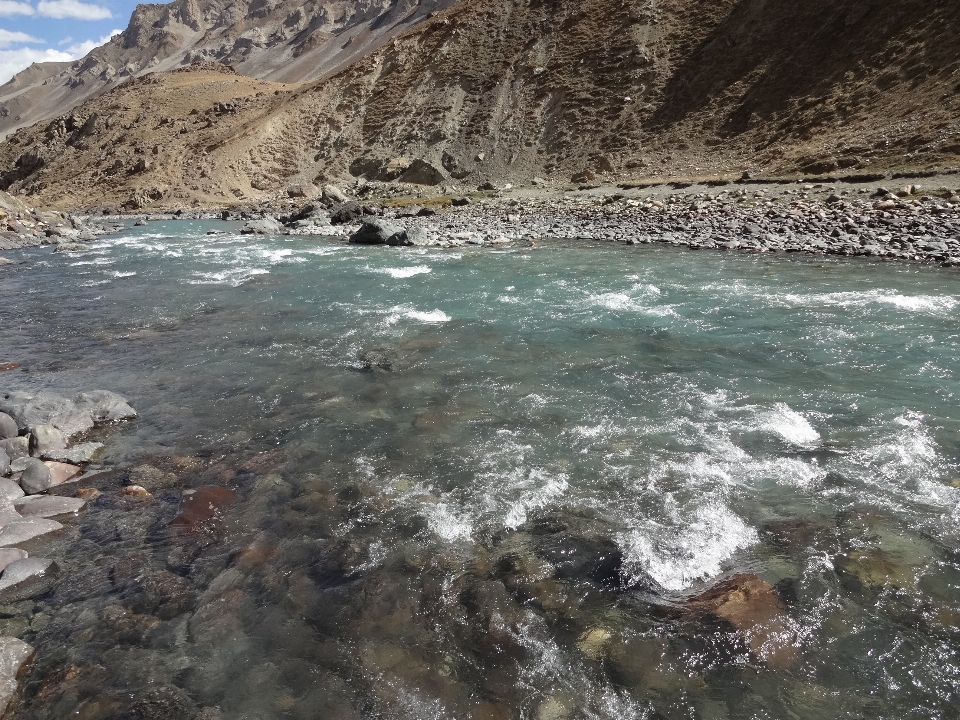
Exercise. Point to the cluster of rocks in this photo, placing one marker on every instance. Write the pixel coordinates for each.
(35, 456)
(30, 228)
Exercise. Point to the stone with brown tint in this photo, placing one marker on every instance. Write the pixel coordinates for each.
(88, 493)
(203, 507)
(750, 605)
(62, 472)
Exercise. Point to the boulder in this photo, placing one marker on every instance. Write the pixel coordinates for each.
(4, 462)
(20, 531)
(9, 555)
(303, 190)
(59, 472)
(36, 477)
(46, 506)
(27, 578)
(333, 194)
(265, 226)
(46, 439)
(420, 172)
(16, 447)
(15, 658)
(394, 168)
(379, 232)
(346, 213)
(8, 427)
(9, 491)
(71, 247)
(79, 453)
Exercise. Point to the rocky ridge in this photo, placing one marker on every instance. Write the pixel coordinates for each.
(509, 91)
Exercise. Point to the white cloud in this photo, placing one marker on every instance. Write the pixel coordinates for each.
(72, 9)
(12, 7)
(78, 50)
(13, 61)
(13, 37)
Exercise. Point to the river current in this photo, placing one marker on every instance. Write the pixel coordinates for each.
(483, 483)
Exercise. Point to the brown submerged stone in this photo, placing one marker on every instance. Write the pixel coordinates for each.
(750, 605)
(203, 507)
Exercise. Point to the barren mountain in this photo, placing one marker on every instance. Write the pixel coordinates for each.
(285, 40)
(510, 89)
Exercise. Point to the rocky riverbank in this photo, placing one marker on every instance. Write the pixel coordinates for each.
(908, 222)
(35, 460)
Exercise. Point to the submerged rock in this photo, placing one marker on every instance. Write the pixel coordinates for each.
(15, 657)
(203, 507)
(750, 605)
(68, 415)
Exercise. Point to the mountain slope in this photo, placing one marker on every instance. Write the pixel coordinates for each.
(283, 40)
(509, 89)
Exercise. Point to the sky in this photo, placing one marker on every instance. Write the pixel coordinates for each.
(41, 30)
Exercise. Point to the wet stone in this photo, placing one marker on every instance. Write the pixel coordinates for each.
(151, 478)
(167, 702)
(47, 506)
(15, 657)
(46, 439)
(160, 593)
(77, 586)
(21, 531)
(27, 578)
(62, 472)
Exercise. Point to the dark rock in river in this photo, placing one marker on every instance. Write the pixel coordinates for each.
(35, 478)
(380, 232)
(166, 702)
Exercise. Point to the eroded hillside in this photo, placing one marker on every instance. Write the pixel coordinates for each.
(510, 89)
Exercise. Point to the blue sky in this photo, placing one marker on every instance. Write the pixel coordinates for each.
(39, 30)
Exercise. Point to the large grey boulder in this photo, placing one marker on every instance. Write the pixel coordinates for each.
(4, 462)
(35, 478)
(15, 657)
(265, 226)
(9, 555)
(9, 491)
(16, 447)
(46, 440)
(8, 427)
(20, 531)
(104, 406)
(380, 232)
(333, 194)
(27, 578)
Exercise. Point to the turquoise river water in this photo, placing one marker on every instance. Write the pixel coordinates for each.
(486, 483)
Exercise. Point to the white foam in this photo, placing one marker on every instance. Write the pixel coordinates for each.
(793, 427)
(403, 272)
(118, 274)
(431, 316)
(931, 304)
(690, 546)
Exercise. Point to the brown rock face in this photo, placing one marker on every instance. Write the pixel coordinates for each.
(750, 605)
